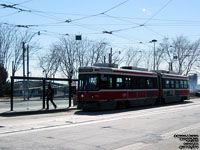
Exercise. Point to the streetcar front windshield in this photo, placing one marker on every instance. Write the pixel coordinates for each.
(88, 82)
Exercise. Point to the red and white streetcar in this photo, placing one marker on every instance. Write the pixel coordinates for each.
(104, 86)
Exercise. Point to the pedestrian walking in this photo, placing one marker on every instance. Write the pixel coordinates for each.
(50, 95)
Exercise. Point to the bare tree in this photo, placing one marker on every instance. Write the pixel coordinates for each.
(147, 60)
(117, 57)
(193, 56)
(67, 55)
(182, 53)
(50, 62)
(181, 47)
(91, 52)
(160, 54)
(133, 56)
(7, 39)
(17, 51)
(11, 39)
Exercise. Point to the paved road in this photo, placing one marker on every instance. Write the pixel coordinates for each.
(131, 129)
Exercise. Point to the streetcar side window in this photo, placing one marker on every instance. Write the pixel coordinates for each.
(142, 83)
(106, 82)
(149, 83)
(166, 84)
(185, 84)
(177, 84)
(119, 82)
(145, 83)
(128, 82)
(110, 83)
(181, 84)
(92, 85)
(172, 84)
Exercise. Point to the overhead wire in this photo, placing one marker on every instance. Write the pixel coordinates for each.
(115, 6)
(101, 13)
(154, 31)
(9, 14)
(118, 18)
(62, 21)
(143, 24)
(86, 27)
(25, 9)
(148, 20)
(158, 12)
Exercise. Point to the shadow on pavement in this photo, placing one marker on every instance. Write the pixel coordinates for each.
(90, 113)
(35, 112)
(104, 112)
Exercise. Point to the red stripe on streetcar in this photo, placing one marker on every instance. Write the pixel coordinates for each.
(114, 95)
(96, 70)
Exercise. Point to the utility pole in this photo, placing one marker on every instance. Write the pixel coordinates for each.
(24, 49)
(154, 53)
(27, 49)
(13, 68)
(110, 56)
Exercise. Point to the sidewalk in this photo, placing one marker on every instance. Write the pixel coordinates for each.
(4, 105)
(23, 109)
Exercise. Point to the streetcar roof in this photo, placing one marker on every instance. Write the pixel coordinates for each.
(173, 76)
(108, 70)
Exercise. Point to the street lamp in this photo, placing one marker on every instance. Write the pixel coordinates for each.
(154, 59)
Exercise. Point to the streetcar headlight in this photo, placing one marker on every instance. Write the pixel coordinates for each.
(82, 95)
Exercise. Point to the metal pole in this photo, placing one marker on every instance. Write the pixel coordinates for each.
(171, 66)
(154, 53)
(11, 94)
(70, 91)
(27, 49)
(13, 68)
(111, 55)
(24, 49)
(154, 59)
(27, 60)
(44, 93)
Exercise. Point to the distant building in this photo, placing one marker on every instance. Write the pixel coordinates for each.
(36, 88)
(193, 78)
